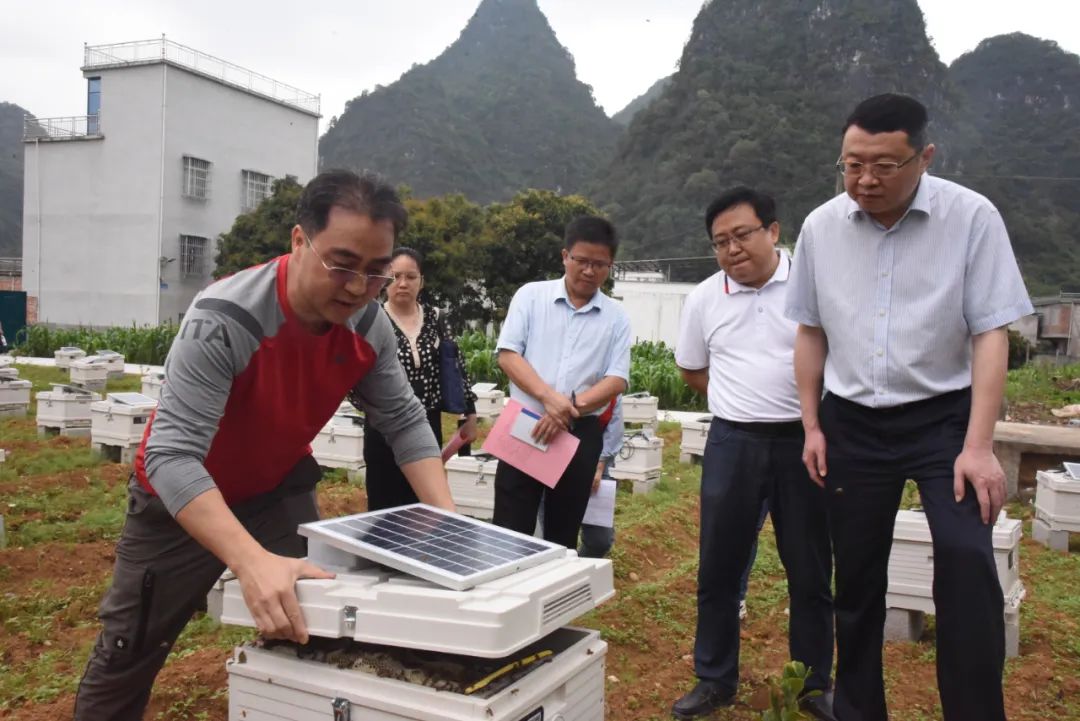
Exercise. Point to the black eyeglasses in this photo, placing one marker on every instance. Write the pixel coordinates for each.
(344, 276)
(589, 264)
(881, 169)
(742, 237)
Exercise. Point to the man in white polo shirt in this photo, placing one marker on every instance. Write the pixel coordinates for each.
(736, 347)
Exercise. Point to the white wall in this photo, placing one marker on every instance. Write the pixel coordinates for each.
(654, 308)
(94, 201)
(96, 209)
(235, 131)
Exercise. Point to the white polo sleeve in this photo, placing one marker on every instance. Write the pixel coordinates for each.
(692, 349)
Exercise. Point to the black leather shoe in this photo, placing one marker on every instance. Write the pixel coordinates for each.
(706, 697)
(819, 707)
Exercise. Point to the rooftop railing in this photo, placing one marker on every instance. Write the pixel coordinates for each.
(162, 50)
(66, 128)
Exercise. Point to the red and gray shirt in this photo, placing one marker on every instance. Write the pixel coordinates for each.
(247, 388)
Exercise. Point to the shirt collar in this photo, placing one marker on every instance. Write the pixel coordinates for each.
(561, 294)
(919, 204)
(780, 275)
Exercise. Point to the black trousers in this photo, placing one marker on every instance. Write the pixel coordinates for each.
(386, 485)
(870, 453)
(742, 468)
(518, 496)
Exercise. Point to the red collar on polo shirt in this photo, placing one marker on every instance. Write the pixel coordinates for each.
(727, 290)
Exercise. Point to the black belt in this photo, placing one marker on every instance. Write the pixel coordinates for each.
(942, 399)
(782, 428)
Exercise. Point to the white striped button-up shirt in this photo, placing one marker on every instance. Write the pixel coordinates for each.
(899, 305)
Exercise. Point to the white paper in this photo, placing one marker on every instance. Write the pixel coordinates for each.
(601, 508)
(523, 426)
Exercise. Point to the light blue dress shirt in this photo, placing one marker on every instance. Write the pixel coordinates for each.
(571, 349)
(613, 433)
(899, 305)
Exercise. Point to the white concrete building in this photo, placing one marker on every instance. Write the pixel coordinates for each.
(653, 304)
(123, 206)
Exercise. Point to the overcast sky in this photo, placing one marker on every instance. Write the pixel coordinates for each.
(338, 48)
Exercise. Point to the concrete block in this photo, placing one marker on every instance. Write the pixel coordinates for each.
(904, 625)
(1042, 533)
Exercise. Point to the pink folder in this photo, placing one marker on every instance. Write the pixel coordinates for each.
(545, 466)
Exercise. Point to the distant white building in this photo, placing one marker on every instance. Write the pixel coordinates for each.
(653, 304)
(122, 206)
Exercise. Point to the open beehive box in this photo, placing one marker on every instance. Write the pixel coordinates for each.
(432, 615)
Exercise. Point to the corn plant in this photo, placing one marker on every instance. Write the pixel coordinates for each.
(653, 369)
(481, 360)
(146, 345)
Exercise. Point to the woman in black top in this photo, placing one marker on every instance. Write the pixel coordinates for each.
(420, 328)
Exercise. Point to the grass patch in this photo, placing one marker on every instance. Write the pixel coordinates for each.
(1054, 386)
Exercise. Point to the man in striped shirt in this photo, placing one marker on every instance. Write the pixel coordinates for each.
(902, 288)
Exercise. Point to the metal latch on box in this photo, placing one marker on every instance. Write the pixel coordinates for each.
(349, 616)
(342, 709)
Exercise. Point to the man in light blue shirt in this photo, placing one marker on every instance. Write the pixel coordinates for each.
(902, 289)
(566, 348)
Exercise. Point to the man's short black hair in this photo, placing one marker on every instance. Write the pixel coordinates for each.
(889, 113)
(591, 229)
(763, 204)
(366, 193)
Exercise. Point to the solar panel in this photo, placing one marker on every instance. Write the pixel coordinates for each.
(442, 547)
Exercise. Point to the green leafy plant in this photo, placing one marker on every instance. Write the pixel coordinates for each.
(147, 344)
(785, 693)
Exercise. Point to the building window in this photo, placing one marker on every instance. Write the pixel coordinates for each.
(93, 105)
(256, 189)
(192, 256)
(196, 178)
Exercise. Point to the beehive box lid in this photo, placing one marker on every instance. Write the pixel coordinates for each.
(911, 525)
(125, 403)
(1058, 481)
(377, 605)
(59, 390)
(89, 361)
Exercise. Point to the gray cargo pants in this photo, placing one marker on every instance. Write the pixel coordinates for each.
(161, 577)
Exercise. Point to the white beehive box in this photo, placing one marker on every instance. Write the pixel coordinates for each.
(340, 443)
(12, 390)
(65, 406)
(120, 419)
(90, 372)
(640, 408)
(489, 400)
(911, 563)
(273, 685)
(639, 461)
(1057, 500)
(114, 362)
(694, 436)
(64, 356)
(152, 383)
(472, 484)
